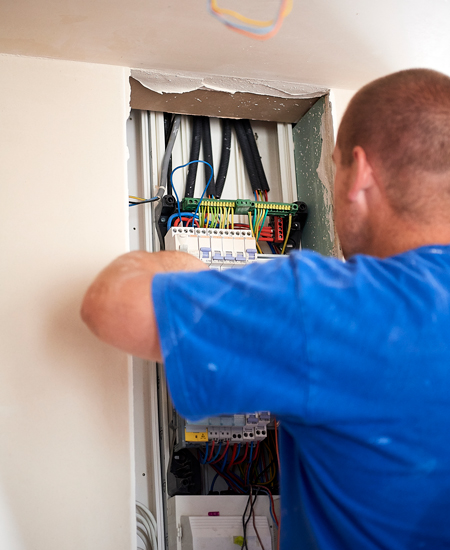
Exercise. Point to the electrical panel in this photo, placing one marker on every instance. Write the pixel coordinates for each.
(242, 213)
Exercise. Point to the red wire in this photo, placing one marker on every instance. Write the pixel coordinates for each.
(223, 454)
(244, 457)
(273, 506)
(211, 452)
(233, 456)
(176, 223)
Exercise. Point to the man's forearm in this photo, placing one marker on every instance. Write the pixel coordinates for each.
(118, 306)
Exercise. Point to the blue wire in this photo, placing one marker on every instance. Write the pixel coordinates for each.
(213, 481)
(216, 455)
(256, 198)
(250, 462)
(203, 460)
(186, 214)
(238, 451)
(272, 248)
(174, 190)
(224, 461)
(270, 502)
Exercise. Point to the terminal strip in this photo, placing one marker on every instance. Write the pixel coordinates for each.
(242, 206)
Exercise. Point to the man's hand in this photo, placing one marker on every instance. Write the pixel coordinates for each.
(118, 305)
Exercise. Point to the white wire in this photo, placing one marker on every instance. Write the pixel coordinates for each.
(147, 512)
(151, 524)
(146, 518)
(144, 537)
(142, 520)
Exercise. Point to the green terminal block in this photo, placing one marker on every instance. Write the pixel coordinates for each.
(189, 205)
(241, 206)
(276, 208)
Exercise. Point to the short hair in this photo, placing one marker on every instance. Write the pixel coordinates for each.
(402, 121)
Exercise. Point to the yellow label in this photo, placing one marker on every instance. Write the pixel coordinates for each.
(196, 436)
(238, 540)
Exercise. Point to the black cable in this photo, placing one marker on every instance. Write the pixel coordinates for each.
(224, 157)
(153, 199)
(246, 522)
(207, 153)
(194, 155)
(256, 156)
(248, 156)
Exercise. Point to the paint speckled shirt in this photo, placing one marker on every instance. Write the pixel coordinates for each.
(354, 358)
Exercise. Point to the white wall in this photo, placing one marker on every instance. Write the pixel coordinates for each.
(339, 100)
(66, 458)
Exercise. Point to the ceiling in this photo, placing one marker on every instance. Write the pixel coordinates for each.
(341, 44)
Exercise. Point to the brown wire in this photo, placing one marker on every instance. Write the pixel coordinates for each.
(254, 524)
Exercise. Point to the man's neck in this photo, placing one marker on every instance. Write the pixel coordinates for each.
(402, 236)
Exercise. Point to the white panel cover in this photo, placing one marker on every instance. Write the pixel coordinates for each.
(222, 533)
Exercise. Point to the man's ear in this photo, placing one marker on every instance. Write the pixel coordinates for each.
(362, 174)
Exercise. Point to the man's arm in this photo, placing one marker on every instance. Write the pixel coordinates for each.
(118, 305)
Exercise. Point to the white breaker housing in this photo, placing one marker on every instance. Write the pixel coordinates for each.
(219, 248)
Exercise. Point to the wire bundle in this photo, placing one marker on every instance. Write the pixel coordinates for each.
(254, 28)
(146, 527)
(220, 217)
(180, 214)
(250, 465)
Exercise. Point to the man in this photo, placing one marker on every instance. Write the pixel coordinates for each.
(353, 357)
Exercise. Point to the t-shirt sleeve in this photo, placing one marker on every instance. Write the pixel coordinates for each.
(234, 341)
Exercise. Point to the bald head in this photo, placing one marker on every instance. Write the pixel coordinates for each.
(402, 121)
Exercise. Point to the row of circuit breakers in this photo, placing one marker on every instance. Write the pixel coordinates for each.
(220, 249)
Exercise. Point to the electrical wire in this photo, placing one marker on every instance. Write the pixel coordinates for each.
(213, 482)
(287, 234)
(195, 152)
(256, 530)
(142, 201)
(213, 460)
(166, 159)
(203, 460)
(253, 233)
(259, 30)
(183, 215)
(148, 524)
(203, 194)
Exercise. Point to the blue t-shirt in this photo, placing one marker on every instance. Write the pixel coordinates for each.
(354, 358)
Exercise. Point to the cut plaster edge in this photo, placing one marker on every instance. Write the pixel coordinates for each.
(173, 83)
(325, 170)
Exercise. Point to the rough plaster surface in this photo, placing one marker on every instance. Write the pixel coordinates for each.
(313, 144)
(66, 461)
(166, 82)
(325, 171)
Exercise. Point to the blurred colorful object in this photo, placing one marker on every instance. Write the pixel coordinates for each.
(260, 30)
